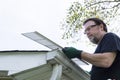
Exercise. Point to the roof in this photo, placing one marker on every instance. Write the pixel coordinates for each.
(55, 66)
(23, 51)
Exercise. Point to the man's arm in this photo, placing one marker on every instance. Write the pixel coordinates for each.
(101, 60)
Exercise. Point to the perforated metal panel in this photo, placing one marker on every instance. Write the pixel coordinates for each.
(39, 38)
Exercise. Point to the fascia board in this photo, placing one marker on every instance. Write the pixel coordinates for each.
(57, 56)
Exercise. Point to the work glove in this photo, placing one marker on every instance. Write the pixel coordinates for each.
(71, 52)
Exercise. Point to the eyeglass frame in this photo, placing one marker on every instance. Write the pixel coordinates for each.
(90, 27)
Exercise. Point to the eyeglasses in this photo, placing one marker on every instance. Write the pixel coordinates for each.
(89, 28)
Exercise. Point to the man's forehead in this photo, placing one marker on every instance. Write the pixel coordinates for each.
(89, 23)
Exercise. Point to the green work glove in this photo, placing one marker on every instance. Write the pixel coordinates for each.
(71, 52)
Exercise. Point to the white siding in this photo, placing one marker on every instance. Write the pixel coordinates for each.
(19, 61)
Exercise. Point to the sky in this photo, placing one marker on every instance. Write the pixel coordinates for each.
(21, 16)
(44, 16)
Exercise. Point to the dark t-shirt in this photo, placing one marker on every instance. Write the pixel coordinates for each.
(109, 43)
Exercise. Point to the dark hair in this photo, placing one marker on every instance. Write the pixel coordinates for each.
(97, 21)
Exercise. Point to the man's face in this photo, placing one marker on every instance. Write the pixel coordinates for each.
(92, 31)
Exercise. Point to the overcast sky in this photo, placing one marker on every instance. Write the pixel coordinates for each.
(21, 16)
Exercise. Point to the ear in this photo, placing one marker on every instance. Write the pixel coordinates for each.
(102, 27)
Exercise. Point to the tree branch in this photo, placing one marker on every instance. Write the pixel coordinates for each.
(116, 5)
(102, 2)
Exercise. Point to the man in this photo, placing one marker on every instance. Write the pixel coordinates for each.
(106, 58)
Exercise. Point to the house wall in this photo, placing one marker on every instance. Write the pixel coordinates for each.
(16, 61)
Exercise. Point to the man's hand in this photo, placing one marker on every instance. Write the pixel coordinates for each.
(71, 52)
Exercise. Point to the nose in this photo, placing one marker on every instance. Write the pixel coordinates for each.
(87, 33)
